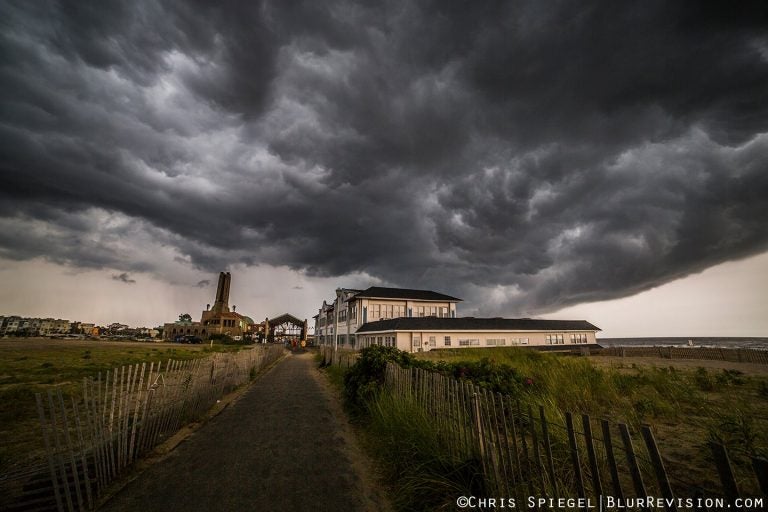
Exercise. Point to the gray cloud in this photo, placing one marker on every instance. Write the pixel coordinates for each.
(203, 284)
(520, 155)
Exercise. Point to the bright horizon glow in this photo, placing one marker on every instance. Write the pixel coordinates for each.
(725, 300)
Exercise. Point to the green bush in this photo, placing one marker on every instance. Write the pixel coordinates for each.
(363, 380)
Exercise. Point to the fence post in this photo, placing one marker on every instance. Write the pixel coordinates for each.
(536, 450)
(761, 472)
(614, 470)
(725, 471)
(658, 467)
(637, 477)
(597, 485)
(548, 450)
(49, 451)
(575, 455)
(478, 426)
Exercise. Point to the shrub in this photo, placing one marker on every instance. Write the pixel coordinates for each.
(367, 375)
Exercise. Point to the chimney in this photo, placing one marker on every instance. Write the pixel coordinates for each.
(221, 305)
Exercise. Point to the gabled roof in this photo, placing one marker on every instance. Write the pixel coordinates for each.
(380, 292)
(286, 317)
(476, 324)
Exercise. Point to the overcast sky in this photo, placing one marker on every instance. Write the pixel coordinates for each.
(533, 158)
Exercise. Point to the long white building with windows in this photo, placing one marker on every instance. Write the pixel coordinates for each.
(421, 320)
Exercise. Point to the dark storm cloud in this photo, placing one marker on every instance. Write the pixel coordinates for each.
(522, 155)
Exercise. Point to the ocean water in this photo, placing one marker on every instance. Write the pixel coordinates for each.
(753, 343)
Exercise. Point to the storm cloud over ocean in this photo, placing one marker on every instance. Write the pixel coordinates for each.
(522, 155)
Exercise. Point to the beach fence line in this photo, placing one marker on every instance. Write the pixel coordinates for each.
(737, 355)
(522, 452)
(92, 438)
(342, 358)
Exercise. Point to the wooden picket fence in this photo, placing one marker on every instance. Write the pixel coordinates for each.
(737, 355)
(343, 358)
(92, 438)
(522, 452)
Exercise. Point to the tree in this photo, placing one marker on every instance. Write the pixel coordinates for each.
(185, 317)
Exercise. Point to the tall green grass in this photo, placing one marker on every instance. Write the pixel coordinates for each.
(415, 457)
(685, 407)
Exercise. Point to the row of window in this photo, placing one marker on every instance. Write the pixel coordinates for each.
(225, 322)
(391, 341)
(559, 339)
(386, 341)
(490, 342)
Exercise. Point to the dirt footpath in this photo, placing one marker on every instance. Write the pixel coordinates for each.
(284, 445)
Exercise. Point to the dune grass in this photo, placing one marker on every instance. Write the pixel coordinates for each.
(29, 367)
(686, 407)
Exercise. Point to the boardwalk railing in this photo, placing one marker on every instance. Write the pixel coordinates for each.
(91, 439)
(737, 355)
(521, 452)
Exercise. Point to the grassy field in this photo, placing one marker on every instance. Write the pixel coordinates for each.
(29, 366)
(687, 403)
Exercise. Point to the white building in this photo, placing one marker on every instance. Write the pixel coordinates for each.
(422, 334)
(419, 320)
(337, 322)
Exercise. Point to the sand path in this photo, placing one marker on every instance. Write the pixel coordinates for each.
(284, 445)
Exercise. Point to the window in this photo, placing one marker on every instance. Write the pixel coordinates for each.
(447, 341)
(491, 342)
(343, 315)
(417, 341)
(474, 342)
(518, 341)
(399, 311)
(432, 310)
(420, 311)
(555, 339)
(375, 311)
(466, 343)
(432, 341)
(444, 312)
(353, 312)
(579, 338)
(378, 340)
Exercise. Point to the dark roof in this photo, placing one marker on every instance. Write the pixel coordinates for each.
(379, 292)
(286, 317)
(476, 324)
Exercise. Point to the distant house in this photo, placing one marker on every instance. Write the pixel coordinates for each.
(421, 320)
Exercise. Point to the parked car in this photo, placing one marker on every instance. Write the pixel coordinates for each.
(187, 339)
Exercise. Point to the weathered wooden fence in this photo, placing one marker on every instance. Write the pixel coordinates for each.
(343, 358)
(92, 438)
(737, 355)
(521, 452)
